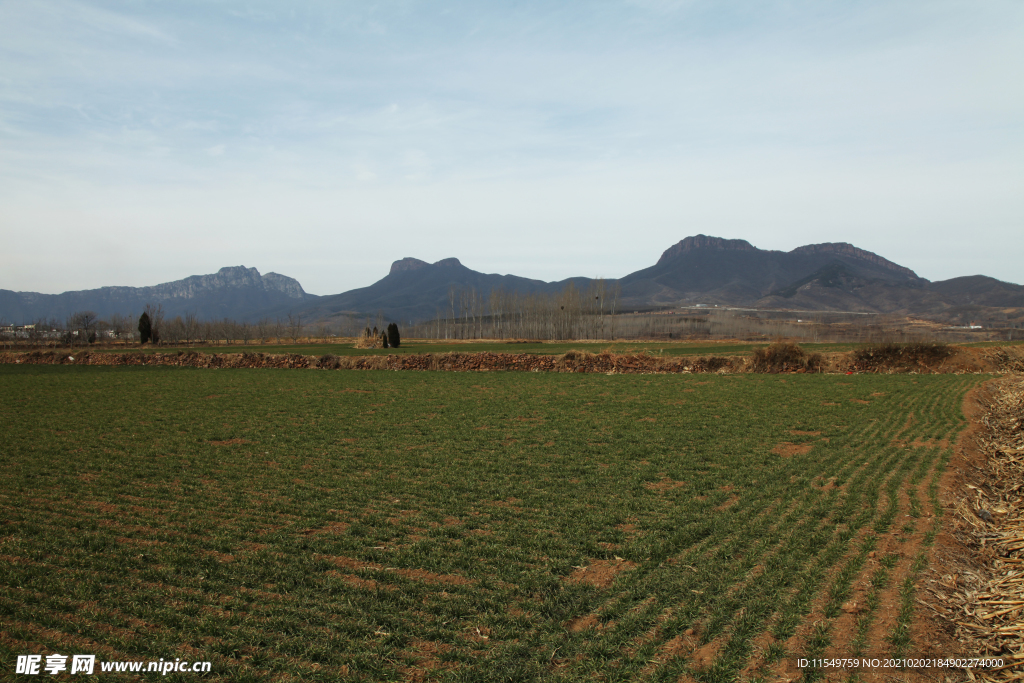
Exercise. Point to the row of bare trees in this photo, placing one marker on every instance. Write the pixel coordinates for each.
(573, 313)
(190, 329)
(86, 327)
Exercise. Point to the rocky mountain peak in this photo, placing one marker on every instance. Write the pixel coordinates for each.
(284, 284)
(850, 251)
(449, 262)
(238, 271)
(406, 264)
(705, 242)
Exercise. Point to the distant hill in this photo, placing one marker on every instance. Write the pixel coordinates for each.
(697, 270)
(416, 290)
(979, 290)
(713, 270)
(237, 292)
(706, 270)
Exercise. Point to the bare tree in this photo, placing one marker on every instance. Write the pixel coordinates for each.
(81, 325)
(295, 326)
(227, 330)
(86, 320)
(599, 295)
(156, 320)
(245, 332)
(174, 330)
(190, 327)
(123, 326)
(7, 332)
(616, 291)
(451, 303)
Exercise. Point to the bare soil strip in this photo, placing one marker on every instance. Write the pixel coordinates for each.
(976, 587)
(962, 360)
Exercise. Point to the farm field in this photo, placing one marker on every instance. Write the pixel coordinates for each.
(466, 526)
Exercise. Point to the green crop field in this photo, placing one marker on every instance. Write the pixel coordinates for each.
(343, 525)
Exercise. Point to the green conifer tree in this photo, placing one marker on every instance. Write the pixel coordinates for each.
(394, 338)
(145, 328)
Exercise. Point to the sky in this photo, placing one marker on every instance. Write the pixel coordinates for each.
(143, 142)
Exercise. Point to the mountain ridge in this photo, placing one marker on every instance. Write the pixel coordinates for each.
(233, 291)
(699, 269)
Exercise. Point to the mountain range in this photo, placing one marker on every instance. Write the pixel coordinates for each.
(696, 270)
(240, 293)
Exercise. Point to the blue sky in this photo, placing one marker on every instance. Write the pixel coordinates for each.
(142, 142)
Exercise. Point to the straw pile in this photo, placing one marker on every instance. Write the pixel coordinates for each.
(983, 597)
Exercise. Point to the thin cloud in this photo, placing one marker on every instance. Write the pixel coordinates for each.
(603, 132)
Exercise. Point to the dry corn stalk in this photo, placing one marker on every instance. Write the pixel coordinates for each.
(984, 597)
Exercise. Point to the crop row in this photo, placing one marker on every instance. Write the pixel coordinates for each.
(376, 526)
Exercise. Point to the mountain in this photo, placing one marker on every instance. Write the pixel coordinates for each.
(415, 290)
(832, 276)
(236, 292)
(979, 290)
(713, 270)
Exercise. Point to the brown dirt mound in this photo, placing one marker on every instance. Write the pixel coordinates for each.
(705, 655)
(995, 359)
(665, 484)
(601, 573)
(788, 448)
(582, 623)
(785, 357)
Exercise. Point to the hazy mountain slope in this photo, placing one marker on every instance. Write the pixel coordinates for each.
(704, 269)
(698, 269)
(416, 289)
(235, 292)
(979, 290)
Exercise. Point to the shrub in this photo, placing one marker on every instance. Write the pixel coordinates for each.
(780, 357)
(712, 364)
(394, 338)
(574, 360)
(328, 362)
(367, 342)
(383, 340)
(896, 356)
(815, 362)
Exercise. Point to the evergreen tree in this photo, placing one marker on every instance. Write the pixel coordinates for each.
(384, 340)
(394, 338)
(145, 328)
